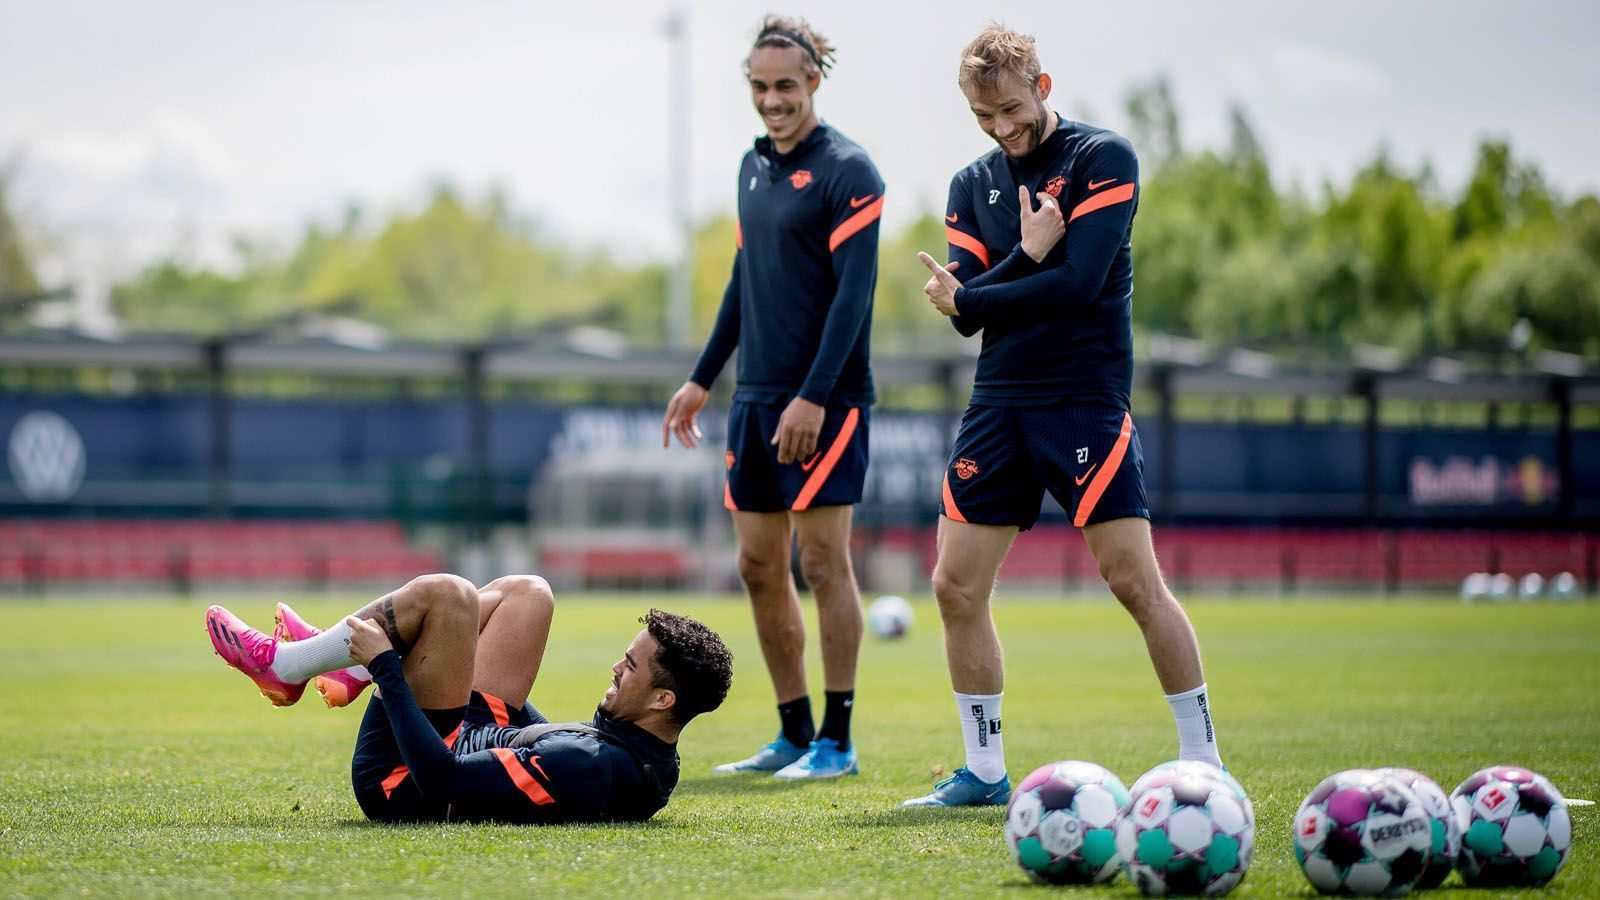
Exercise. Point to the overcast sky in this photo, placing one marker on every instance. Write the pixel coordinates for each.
(138, 129)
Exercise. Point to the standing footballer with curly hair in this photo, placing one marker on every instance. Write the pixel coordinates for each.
(798, 307)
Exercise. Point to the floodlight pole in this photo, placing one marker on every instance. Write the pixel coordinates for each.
(678, 69)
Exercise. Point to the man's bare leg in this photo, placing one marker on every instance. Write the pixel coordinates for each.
(781, 628)
(1126, 556)
(774, 602)
(963, 581)
(514, 615)
(823, 539)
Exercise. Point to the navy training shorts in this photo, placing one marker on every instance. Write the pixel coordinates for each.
(1006, 457)
(833, 476)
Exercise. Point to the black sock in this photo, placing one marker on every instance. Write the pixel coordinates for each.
(795, 717)
(836, 717)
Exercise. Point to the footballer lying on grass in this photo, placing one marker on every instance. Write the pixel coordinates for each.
(450, 734)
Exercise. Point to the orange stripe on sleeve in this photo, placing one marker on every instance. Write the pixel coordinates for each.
(738, 234)
(1122, 193)
(950, 510)
(727, 497)
(519, 776)
(825, 468)
(498, 708)
(1107, 472)
(394, 779)
(855, 223)
(967, 242)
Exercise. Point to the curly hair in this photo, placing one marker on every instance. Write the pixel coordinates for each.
(779, 31)
(691, 661)
(996, 52)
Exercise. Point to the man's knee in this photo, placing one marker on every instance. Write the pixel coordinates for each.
(530, 591)
(446, 591)
(762, 572)
(824, 564)
(1137, 587)
(960, 595)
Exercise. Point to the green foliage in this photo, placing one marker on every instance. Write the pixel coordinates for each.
(1222, 255)
(134, 763)
(17, 276)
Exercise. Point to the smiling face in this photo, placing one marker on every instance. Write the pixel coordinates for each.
(781, 90)
(633, 693)
(1013, 112)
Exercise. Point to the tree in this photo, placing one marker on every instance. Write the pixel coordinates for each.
(18, 280)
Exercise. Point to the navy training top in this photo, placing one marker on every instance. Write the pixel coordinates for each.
(564, 777)
(799, 303)
(1059, 331)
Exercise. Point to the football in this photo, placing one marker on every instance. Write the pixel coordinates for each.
(1444, 822)
(890, 617)
(1061, 823)
(1189, 829)
(1359, 832)
(1517, 830)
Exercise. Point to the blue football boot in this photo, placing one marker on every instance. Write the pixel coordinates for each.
(963, 788)
(770, 758)
(823, 760)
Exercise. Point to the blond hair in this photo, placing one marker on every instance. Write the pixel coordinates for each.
(781, 31)
(995, 53)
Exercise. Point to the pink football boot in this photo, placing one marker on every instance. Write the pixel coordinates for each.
(337, 688)
(251, 652)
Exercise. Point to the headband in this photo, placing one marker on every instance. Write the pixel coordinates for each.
(785, 33)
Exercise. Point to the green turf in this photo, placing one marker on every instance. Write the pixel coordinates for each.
(132, 762)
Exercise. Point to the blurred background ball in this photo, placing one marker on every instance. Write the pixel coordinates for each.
(890, 617)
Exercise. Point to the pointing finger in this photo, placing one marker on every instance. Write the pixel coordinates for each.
(928, 261)
(1024, 199)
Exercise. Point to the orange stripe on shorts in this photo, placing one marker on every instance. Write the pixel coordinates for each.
(950, 510)
(1107, 472)
(825, 468)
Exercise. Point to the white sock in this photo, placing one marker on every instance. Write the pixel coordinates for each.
(1197, 739)
(980, 729)
(329, 651)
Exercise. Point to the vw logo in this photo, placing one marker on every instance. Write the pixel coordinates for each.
(47, 458)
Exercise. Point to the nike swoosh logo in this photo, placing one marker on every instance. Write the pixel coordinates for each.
(858, 202)
(1086, 475)
(952, 218)
(534, 761)
(991, 794)
(1097, 185)
(808, 464)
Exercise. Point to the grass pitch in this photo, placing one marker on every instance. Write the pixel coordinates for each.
(132, 762)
